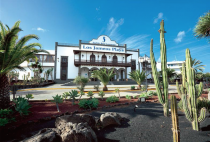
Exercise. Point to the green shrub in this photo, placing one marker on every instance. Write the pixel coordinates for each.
(146, 94)
(132, 87)
(135, 97)
(89, 104)
(128, 97)
(22, 106)
(57, 99)
(101, 94)
(29, 96)
(90, 94)
(203, 103)
(6, 116)
(112, 99)
(3, 121)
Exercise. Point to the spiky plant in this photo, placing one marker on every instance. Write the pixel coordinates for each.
(175, 120)
(104, 76)
(162, 94)
(81, 94)
(82, 81)
(101, 94)
(73, 94)
(90, 94)
(117, 90)
(65, 95)
(138, 76)
(202, 29)
(16, 51)
(29, 96)
(190, 97)
(57, 99)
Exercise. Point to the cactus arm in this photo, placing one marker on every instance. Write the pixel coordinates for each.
(183, 75)
(175, 121)
(155, 74)
(186, 109)
(202, 115)
(200, 89)
(178, 89)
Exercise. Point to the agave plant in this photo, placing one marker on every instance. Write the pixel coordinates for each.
(65, 95)
(73, 94)
(104, 76)
(101, 94)
(90, 94)
(57, 99)
(16, 51)
(138, 76)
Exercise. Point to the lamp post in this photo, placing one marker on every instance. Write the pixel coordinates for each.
(145, 70)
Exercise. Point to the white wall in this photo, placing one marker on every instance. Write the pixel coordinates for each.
(135, 56)
(67, 51)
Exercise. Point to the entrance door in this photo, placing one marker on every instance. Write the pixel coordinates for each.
(64, 66)
(121, 75)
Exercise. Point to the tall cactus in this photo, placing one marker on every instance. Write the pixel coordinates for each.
(162, 94)
(190, 99)
(175, 120)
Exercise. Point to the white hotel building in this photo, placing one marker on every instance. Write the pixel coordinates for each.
(82, 59)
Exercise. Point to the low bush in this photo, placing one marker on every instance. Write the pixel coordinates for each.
(6, 116)
(135, 97)
(132, 87)
(22, 106)
(89, 104)
(128, 97)
(112, 99)
(146, 94)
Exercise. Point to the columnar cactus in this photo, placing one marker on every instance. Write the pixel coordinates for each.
(162, 94)
(190, 99)
(175, 120)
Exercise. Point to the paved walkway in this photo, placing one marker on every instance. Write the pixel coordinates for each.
(46, 93)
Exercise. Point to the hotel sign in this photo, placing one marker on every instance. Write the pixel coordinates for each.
(102, 48)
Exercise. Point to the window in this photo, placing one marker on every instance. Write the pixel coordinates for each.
(114, 59)
(92, 58)
(104, 59)
(133, 65)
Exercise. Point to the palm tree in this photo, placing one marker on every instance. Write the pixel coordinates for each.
(138, 76)
(170, 72)
(196, 65)
(202, 29)
(104, 75)
(82, 81)
(15, 52)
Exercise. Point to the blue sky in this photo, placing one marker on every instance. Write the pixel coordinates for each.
(131, 22)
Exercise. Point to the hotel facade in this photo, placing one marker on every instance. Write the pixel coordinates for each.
(80, 60)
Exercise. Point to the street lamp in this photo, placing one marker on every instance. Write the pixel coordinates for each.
(145, 70)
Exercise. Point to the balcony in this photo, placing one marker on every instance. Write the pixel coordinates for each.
(78, 62)
(44, 59)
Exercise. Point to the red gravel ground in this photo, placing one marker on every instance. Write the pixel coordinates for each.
(42, 109)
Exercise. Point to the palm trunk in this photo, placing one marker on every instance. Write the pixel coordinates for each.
(105, 88)
(4, 92)
(139, 86)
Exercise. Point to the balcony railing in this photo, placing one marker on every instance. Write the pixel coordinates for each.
(78, 62)
(44, 59)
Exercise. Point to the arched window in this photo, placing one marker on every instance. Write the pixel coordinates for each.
(92, 58)
(104, 59)
(114, 59)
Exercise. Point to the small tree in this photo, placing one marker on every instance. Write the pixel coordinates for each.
(117, 90)
(47, 74)
(65, 95)
(82, 81)
(90, 94)
(104, 76)
(81, 94)
(57, 99)
(73, 94)
(101, 94)
(138, 76)
(29, 96)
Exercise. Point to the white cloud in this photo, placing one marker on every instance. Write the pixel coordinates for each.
(39, 29)
(159, 17)
(113, 25)
(180, 36)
